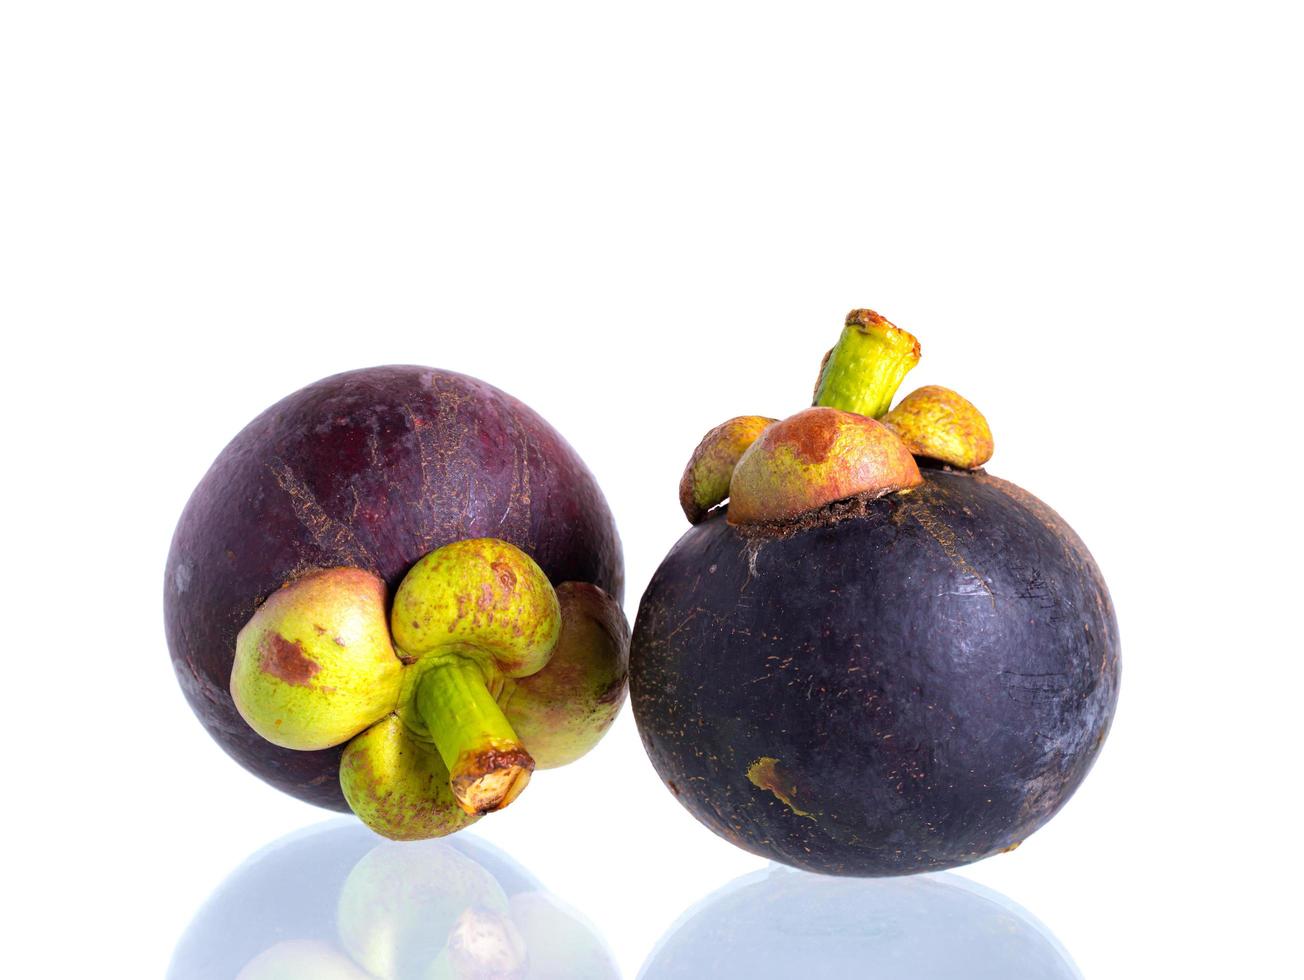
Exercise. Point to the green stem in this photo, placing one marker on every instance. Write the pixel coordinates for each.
(871, 359)
(487, 764)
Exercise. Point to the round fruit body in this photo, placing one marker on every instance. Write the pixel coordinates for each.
(371, 469)
(911, 684)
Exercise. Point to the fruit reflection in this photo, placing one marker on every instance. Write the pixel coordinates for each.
(785, 923)
(335, 901)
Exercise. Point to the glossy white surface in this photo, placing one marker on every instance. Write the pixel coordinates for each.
(334, 901)
(642, 220)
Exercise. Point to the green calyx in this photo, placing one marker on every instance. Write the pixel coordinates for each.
(775, 472)
(419, 695)
(469, 615)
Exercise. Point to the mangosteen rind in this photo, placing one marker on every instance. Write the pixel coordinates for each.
(369, 469)
(911, 685)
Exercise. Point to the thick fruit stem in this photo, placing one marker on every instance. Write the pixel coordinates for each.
(487, 764)
(871, 359)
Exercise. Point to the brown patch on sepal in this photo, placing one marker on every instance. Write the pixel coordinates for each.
(286, 661)
(810, 436)
(506, 577)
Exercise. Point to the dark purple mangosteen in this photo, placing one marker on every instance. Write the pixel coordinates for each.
(876, 659)
(409, 572)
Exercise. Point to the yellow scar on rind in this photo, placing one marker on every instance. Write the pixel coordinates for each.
(764, 774)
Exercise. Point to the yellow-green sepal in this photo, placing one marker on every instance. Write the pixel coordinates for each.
(937, 423)
(563, 710)
(705, 482)
(480, 593)
(814, 458)
(399, 786)
(314, 665)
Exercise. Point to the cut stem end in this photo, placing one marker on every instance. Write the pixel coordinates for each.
(488, 767)
(489, 780)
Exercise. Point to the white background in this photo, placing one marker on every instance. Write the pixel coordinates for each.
(641, 220)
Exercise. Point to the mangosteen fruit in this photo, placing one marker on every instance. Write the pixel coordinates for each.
(868, 656)
(397, 591)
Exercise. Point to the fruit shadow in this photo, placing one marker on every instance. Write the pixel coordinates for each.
(336, 902)
(785, 923)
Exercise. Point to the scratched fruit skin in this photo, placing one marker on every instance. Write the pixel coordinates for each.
(910, 689)
(371, 469)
